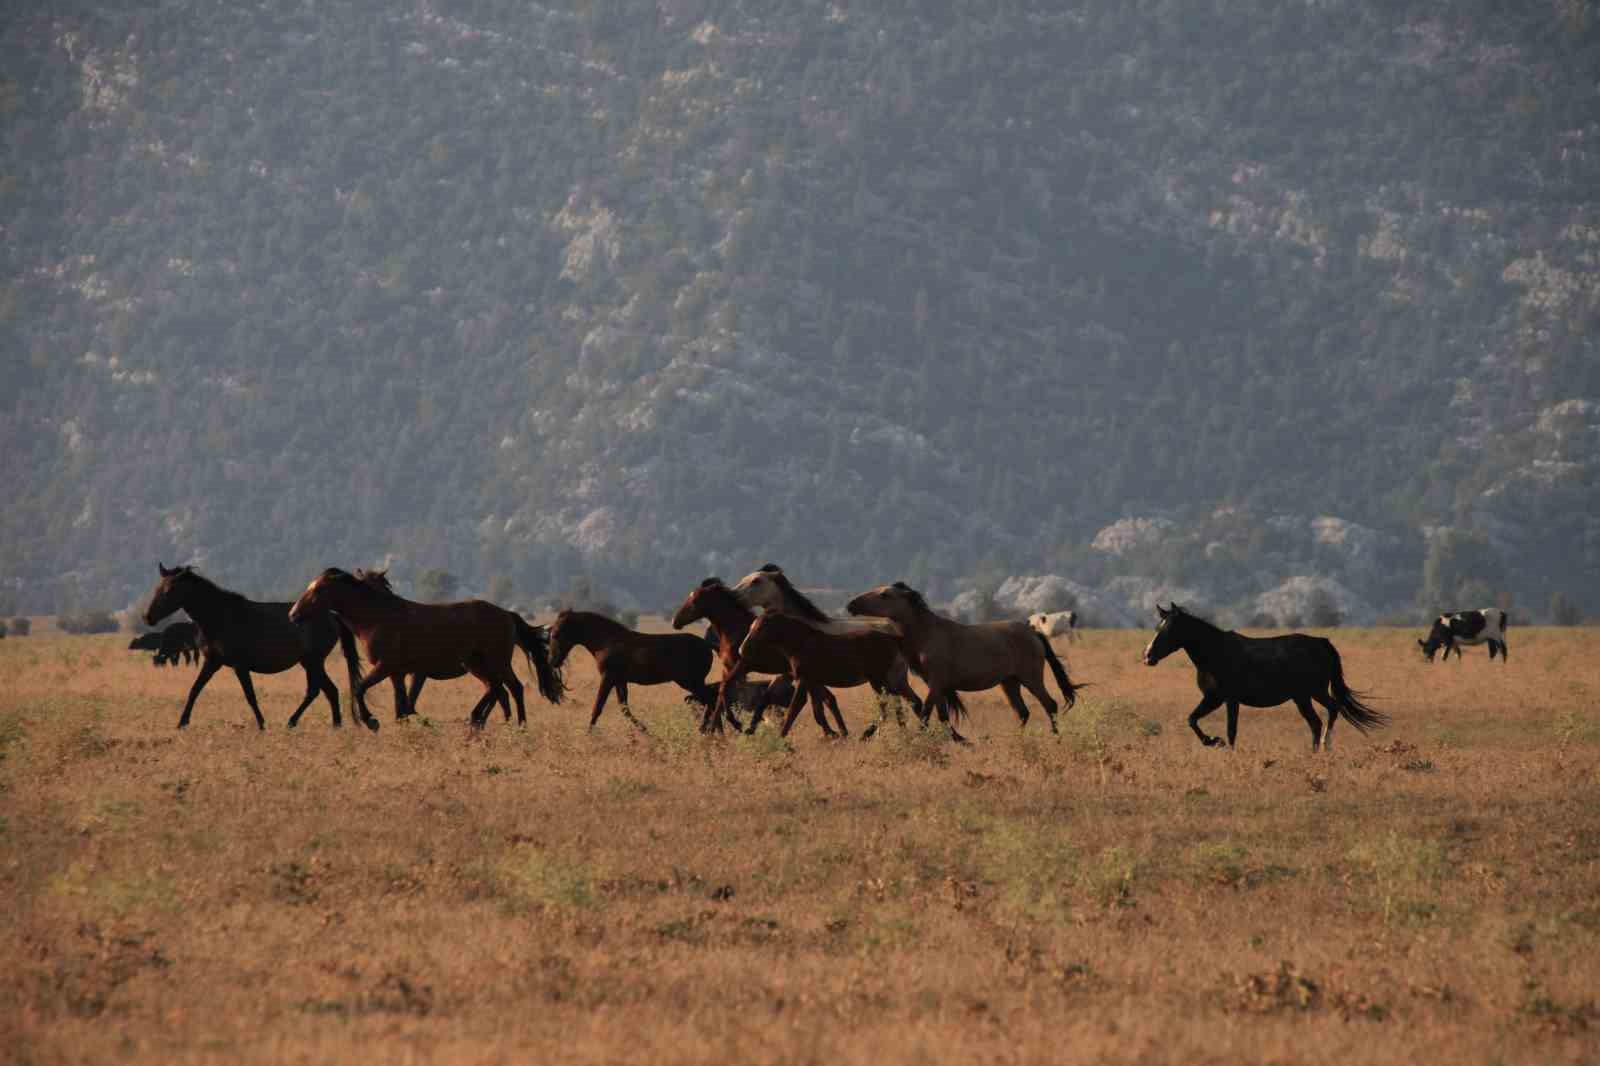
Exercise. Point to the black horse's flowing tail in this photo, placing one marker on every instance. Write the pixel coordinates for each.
(1349, 702)
(535, 644)
(1069, 691)
(352, 662)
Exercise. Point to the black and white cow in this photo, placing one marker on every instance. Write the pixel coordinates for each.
(1450, 631)
(1055, 624)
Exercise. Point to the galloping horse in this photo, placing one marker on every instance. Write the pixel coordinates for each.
(436, 640)
(816, 659)
(1260, 672)
(248, 635)
(625, 656)
(406, 707)
(954, 657)
(771, 590)
(730, 621)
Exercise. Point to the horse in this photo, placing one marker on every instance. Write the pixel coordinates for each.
(955, 657)
(436, 640)
(730, 622)
(252, 636)
(1260, 672)
(818, 659)
(1453, 629)
(406, 707)
(771, 590)
(625, 656)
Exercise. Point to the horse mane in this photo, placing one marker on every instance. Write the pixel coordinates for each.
(916, 597)
(211, 586)
(375, 579)
(799, 603)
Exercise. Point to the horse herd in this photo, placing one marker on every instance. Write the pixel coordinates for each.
(762, 625)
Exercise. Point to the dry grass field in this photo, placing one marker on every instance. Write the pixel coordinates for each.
(1120, 894)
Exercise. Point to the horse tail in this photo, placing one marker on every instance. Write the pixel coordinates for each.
(535, 644)
(352, 662)
(1069, 691)
(1348, 701)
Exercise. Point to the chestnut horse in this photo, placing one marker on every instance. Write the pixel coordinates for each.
(954, 657)
(730, 621)
(435, 640)
(252, 636)
(625, 656)
(817, 659)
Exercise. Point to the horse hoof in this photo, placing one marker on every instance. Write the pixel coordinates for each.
(371, 723)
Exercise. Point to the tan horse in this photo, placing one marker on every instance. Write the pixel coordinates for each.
(953, 657)
(435, 640)
(818, 660)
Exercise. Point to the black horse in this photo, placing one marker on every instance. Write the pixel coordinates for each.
(251, 636)
(1260, 672)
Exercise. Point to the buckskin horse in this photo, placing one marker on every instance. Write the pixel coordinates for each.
(1232, 669)
(436, 640)
(251, 636)
(955, 657)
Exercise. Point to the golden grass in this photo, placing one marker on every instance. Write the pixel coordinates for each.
(1120, 894)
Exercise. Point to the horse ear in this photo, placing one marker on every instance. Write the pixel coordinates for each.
(1161, 612)
(771, 568)
(164, 571)
(902, 586)
(708, 582)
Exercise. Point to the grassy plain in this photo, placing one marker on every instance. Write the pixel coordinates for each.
(1120, 894)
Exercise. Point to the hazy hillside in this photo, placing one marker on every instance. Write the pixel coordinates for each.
(1151, 296)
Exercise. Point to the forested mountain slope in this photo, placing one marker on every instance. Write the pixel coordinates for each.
(649, 290)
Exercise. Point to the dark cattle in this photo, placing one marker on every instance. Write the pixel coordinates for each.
(179, 639)
(1450, 631)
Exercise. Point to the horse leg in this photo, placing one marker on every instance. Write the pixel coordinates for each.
(622, 698)
(1333, 716)
(1206, 706)
(402, 702)
(249, 694)
(409, 708)
(600, 701)
(1233, 722)
(1013, 690)
(503, 700)
(1047, 701)
(800, 693)
(312, 688)
(832, 703)
(821, 718)
(943, 708)
(1313, 720)
(516, 695)
(207, 668)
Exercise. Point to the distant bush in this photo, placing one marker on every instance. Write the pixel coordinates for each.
(21, 627)
(2, 629)
(1563, 612)
(82, 623)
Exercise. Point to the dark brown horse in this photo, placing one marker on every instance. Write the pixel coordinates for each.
(624, 656)
(405, 704)
(436, 640)
(819, 659)
(954, 657)
(179, 640)
(730, 622)
(252, 637)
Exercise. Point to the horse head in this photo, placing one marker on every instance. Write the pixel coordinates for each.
(562, 637)
(1168, 637)
(693, 607)
(898, 602)
(168, 595)
(325, 591)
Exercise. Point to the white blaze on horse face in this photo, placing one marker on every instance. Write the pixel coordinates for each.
(1149, 649)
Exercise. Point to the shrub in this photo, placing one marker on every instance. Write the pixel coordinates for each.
(81, 623)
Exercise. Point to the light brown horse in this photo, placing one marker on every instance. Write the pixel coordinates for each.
(435, 640)
(625, 656)
(730, 621)
(405, 703)
(954, 657)
(817, 659)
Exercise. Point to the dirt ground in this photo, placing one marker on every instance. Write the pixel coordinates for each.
(1118, 894)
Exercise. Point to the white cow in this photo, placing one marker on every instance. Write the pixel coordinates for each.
(1055, 624)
